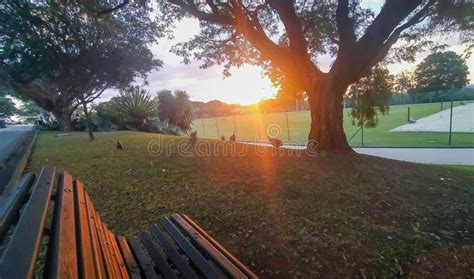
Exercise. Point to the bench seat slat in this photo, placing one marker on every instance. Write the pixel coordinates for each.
(181, 263)
(110, 249)
(99, 258)
(109, 267)
(224, 258)
(86, 252)
(160, 262)
(201, 263)
(116, 256)
(216, 244)
(62, 258)
(20, 256)
(12, 201)
(144, 262)
(132, 266)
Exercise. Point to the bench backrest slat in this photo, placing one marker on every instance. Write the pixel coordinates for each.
(87, 260)
(20, 257)
(201, 263)
(98, 255)
(132, 266)
(62, 258)
(146, 266)
(12, 201)
(215, 254)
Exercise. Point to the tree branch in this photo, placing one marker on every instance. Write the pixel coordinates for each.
(345, 26)
(113, 9)
(210, 17)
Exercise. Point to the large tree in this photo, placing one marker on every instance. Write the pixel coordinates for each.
(175, 109)
(62, 55)
(441, 71)
(287, 38)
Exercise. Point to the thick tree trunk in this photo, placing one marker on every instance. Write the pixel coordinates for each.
(64, 120)
(327, 131)
(88, 121)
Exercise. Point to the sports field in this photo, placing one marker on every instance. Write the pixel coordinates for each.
(255, 127)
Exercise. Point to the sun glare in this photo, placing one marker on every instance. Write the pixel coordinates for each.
(245, 86)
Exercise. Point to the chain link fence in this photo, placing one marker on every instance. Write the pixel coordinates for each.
(408, 125)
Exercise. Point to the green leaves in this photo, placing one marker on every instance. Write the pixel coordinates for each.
(137, 104)
(441, 71)
(70, 51)
(370, 97)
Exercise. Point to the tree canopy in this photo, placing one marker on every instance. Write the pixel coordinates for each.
(62, 54)
(175, 109)
(441, 71)
(288, 38)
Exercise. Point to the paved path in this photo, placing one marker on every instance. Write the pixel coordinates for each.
(463, 121)
(439, 156)
(9, 139)
(442, 156)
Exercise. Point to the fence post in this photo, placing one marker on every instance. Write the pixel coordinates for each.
(288, 126)
(235, 127)
(217, 127)
(451, 121)
(203, 130)
(258, 126)
(408, 119)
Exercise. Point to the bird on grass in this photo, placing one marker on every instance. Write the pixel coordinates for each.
(193, 138)
(275, 142)
(232, 138)
(119, 145)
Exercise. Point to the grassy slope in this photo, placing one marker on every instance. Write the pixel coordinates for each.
(282, 215)
(247, 128)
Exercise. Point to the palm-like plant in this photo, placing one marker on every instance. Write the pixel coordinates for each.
(138, 105)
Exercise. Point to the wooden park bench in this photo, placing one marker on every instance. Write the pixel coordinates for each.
(75, 243)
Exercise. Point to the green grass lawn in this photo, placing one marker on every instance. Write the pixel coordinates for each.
(283, 215)
(248, 128)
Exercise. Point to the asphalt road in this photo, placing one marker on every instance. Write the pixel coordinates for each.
(10, 138)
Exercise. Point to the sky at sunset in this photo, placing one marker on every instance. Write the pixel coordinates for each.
(246, 85)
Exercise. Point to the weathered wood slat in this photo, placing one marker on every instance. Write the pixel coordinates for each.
(160, 262)
(216, 244)
(146, 266)
(109, 267)
(12, 201)
(224, 258)
(98, 256)
(86, 256)
(118, 255)
(172, 253)
(201, 263)
(20, 256)
(110, 248)
(132, 266)
(62, 258)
